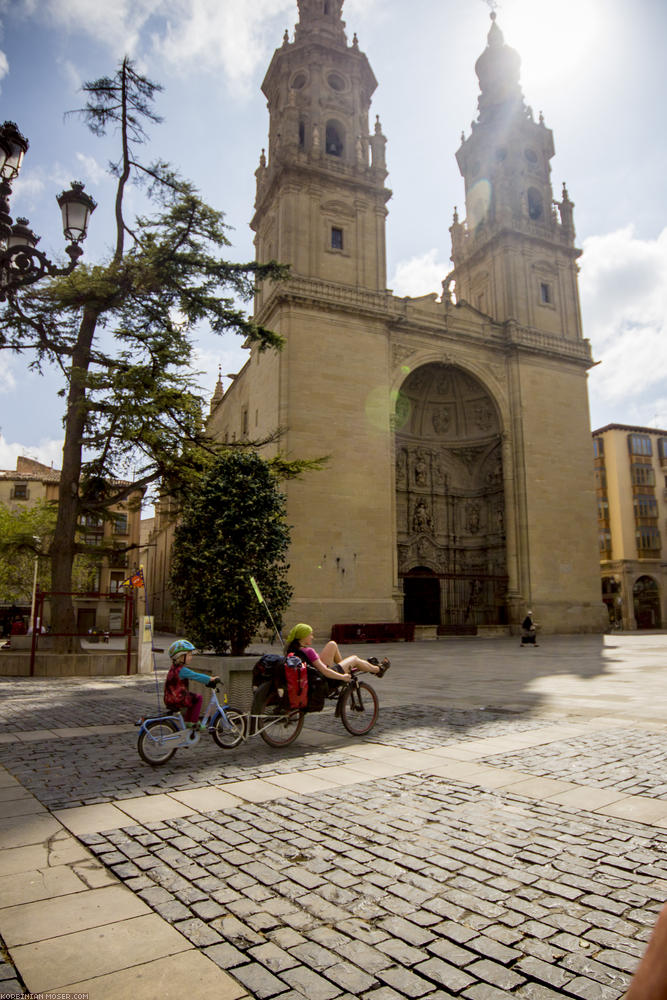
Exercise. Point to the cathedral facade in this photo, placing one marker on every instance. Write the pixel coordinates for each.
(459, 488)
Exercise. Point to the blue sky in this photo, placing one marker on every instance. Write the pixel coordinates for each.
(595, 68)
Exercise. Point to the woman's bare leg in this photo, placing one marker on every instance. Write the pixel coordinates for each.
(332, 657)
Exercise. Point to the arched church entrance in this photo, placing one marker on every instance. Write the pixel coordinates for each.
(450, 501)
(646, 599)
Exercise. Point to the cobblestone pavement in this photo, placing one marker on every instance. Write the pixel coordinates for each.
(95, 768)
(409, 887)
(421, 884)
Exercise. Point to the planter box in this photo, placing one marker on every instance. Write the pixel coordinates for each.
(111, 664)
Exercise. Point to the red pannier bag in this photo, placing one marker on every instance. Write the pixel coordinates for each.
(296, 676)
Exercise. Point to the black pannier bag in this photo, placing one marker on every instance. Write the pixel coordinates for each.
(270, 667)
(318, 688)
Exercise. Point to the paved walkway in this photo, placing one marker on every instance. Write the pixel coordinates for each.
(502, 831)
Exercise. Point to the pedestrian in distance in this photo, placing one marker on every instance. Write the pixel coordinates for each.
(330, 662)
(177, 694)
(528, 631)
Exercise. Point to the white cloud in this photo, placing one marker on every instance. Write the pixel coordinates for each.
(420, 275)
(7, 380)
(235, 36)
(91, 169)
(624, 305)
(48, 452)
(231, 34)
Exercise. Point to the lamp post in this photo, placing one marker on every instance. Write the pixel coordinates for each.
(21, 263)
(37, 541)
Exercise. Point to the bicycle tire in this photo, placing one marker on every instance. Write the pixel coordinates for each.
(358, 708)
(288, 723)
(150, 750)
(223, 737)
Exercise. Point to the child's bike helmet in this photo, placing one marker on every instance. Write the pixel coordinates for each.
(180, 646)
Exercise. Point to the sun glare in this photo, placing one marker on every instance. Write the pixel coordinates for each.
(553, 37)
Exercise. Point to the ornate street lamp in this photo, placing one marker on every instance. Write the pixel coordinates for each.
(21, 263)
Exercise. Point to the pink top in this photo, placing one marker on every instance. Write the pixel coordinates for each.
(310, 653)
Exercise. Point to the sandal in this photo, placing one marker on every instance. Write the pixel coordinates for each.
(374, 660)
(384, 667)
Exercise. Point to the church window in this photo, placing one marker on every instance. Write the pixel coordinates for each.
(334, 140)
(546, 295)
(531, 155)
(326, 6)
(501, 153)
(336, 81)
(302, 134)
(299, 81)
(336, 238)
(535, 207)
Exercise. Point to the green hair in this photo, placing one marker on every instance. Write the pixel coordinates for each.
(299, 632)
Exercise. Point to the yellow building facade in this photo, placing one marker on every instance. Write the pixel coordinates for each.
(32, 482)
(631, 485)
(459, 488)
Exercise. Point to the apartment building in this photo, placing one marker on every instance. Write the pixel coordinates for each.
(117, 537)
(631, 486)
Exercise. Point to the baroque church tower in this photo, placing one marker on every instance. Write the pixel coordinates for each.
(458, 487)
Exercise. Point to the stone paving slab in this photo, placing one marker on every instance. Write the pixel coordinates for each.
(35, 921)
(51, 964)
(171, 978)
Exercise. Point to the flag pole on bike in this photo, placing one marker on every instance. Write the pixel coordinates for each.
(258, 595)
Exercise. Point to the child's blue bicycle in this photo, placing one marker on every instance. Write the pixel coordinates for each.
(161, 736)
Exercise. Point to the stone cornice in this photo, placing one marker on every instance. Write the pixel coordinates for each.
(425, 316)
(548, 236)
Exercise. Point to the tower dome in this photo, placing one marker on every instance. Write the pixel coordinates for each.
(497, 70)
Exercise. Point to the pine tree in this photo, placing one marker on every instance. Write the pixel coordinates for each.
(122, 332)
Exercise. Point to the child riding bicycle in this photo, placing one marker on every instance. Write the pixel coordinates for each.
(177, 694)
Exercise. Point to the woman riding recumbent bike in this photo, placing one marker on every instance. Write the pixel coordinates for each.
(287, 687)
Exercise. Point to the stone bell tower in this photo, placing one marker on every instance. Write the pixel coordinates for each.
(515, 257)
(515, 261)
(320, 203)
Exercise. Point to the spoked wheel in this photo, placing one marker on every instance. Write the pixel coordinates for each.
(288, 724)
(358, 708)
(154, 745)
(229, 738)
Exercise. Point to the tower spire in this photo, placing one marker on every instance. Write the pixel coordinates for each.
(498, 70)
(321, 17)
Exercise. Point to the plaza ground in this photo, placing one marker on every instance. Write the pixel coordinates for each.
(501, 832)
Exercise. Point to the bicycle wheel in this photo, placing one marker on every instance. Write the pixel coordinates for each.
(288, 723)
(229, 738)
(358, 707)
(151, 743)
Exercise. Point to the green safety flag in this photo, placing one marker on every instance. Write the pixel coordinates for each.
(257, 590)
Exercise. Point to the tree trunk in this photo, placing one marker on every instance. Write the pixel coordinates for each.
(63, 548)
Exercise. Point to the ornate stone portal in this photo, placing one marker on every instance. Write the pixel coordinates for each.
(450, 504)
